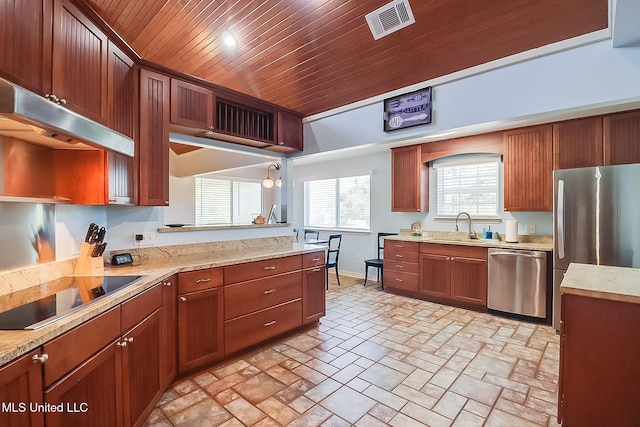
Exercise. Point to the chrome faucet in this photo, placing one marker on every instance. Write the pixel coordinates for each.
(472, 234)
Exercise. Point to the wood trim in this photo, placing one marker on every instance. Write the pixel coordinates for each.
(483, 143)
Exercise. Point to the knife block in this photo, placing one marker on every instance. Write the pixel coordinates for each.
(86, 265)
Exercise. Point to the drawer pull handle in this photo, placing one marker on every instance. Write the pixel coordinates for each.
(399, 256)
(399, 280)
(40, 359)
(203, 280)
(399, 266)
(315, 270)
(270, 267)
(399, 246)
(270, 291)
(315, 259)
(273, 322)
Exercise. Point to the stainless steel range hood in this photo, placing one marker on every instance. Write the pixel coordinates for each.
(30, 117)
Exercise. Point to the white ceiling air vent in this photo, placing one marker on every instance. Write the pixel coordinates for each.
(389, 18)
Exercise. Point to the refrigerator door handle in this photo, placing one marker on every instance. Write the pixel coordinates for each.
(560, 219)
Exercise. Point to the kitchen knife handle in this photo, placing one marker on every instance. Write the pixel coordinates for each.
(560, 218)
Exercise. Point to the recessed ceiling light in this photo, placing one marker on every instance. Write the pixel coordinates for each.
(229, 40)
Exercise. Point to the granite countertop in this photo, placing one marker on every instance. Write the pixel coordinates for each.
(604, 282)
(532, 242)
(156, 264)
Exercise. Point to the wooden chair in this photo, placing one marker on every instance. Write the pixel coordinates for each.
(377, 262)
(332, 256)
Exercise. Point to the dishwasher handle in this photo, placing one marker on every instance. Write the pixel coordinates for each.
(514, 253)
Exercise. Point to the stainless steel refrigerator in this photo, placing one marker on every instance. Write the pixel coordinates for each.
(596, 220)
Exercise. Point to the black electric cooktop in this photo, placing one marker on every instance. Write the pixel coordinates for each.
(67, 295)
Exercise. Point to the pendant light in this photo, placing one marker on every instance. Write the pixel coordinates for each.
(268, 181)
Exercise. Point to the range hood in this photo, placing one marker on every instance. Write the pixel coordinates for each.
(30, 117)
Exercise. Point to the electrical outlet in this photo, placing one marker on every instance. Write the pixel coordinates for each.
(530, 229)
(143, 239)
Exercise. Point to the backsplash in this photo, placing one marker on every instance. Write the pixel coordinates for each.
(27, 234)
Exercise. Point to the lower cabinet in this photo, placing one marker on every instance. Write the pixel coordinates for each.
(117, 385)
(449, 274)
(21, 385)
(200, 318)
(454, 273)
(313, 287)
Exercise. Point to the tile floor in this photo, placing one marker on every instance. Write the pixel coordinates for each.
(379, 359)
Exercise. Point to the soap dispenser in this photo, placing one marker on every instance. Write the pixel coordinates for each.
(489, 234)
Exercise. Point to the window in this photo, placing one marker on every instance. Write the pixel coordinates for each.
(468, 184)
(227, 201)
(338, 203)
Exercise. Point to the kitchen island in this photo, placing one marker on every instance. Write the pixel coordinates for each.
(599, 346)
(194, 305)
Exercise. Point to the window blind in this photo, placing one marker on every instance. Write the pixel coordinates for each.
(464, 186)
(226, 201)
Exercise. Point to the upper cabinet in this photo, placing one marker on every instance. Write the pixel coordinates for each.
(577, 143)
(153, 144)
(191, 106)
(289, 133)
(622, 138)
(528, 169)
(79, 62)
(409, 180)
(25, 56)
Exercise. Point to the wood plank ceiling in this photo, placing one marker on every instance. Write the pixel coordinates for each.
(315, 55)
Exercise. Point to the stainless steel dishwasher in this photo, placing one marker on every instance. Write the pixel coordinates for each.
(517, 282)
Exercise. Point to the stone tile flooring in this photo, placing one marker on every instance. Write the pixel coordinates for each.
(379, 359)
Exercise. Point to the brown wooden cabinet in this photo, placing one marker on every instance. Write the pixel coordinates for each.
(400, 270)
(622, 138)
(200, 318)
(528, 169)
(79, 47)
(153, 143)
(289, 136)
(313, 287)
(109, 367)
(409, 180)
(169, 354)
(25, 57)
(191, 107)
(454, 274)
(599, 362)
(21, 385)
(577, 143)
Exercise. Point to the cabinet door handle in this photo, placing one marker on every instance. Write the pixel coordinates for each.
(122, 344)
(167, 283)
(183, 299)
(270, 291)
(129, 340)
(270, 267)
(273, 322)
(40, 359)
(203, 280)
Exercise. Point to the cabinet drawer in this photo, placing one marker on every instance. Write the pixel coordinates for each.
(401, 246)
(198, 280)
(393, 255)
(454, 250)
(74, 347)
(399, 280)
(259, 269)
(247, 330)
(314, 259)
(401, 266)
(134, 310)
(247, 297)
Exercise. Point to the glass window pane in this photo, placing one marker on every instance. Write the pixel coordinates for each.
(338, 203)
(471, 188)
